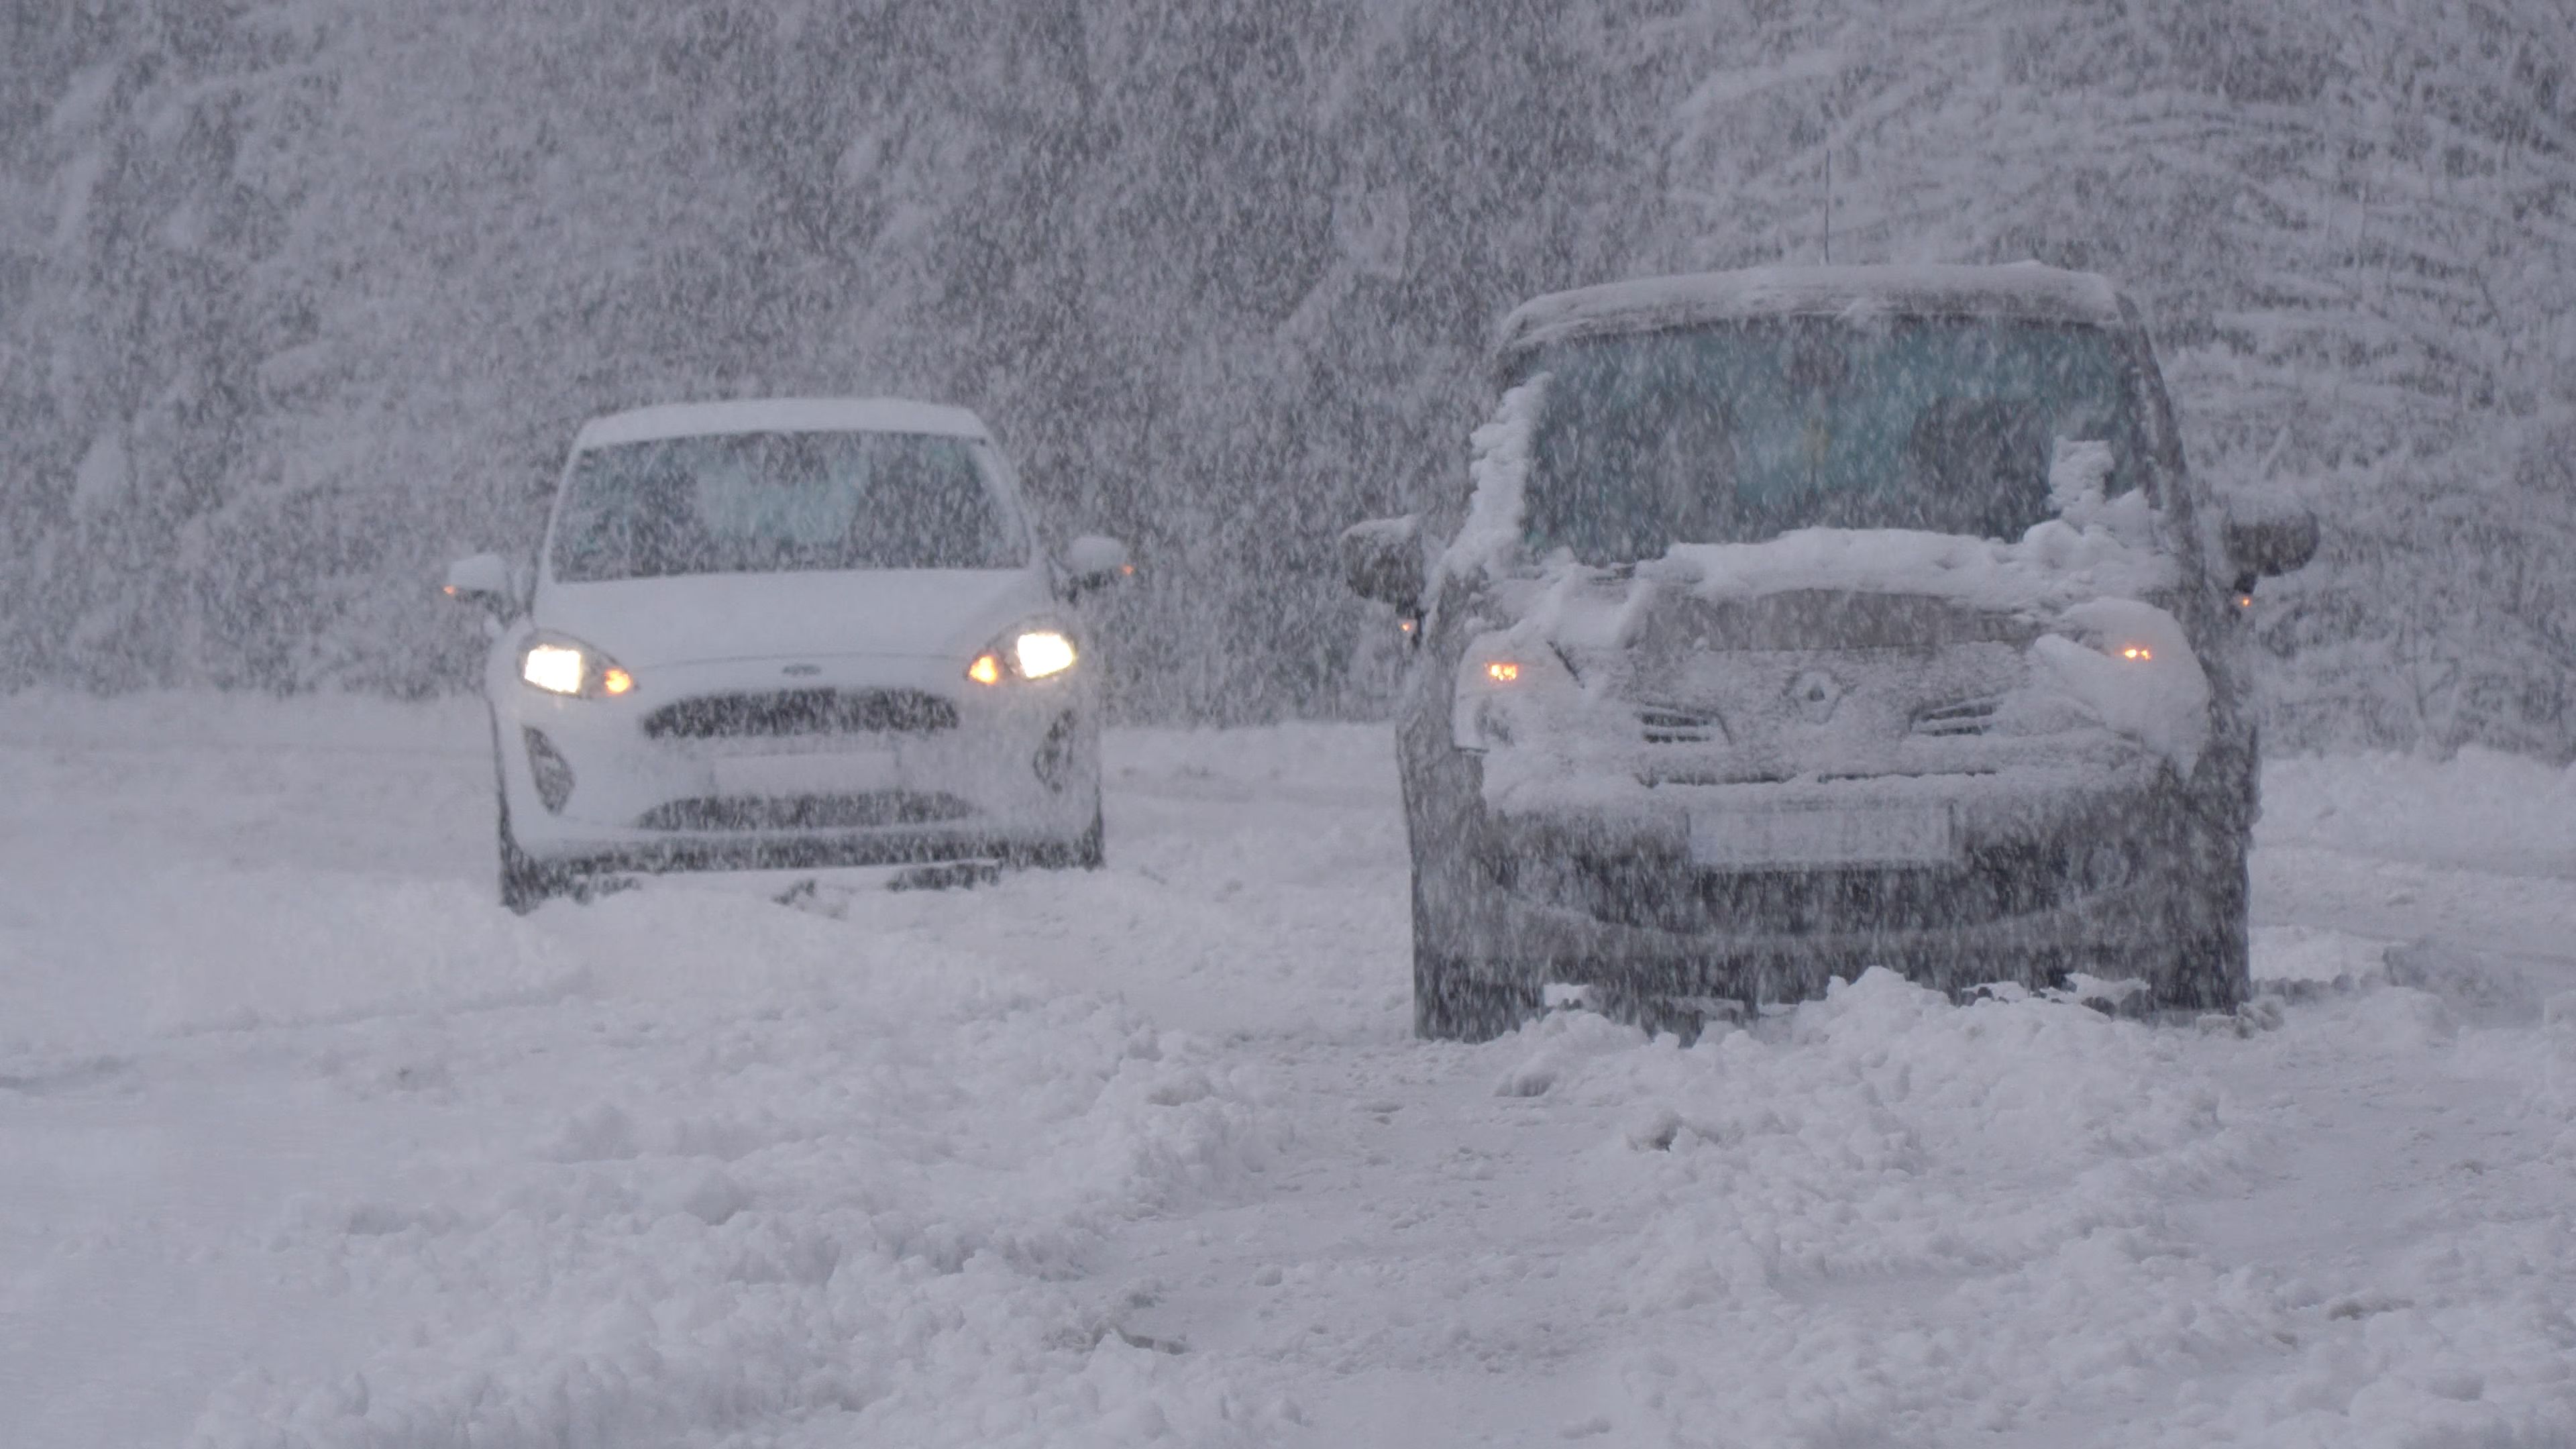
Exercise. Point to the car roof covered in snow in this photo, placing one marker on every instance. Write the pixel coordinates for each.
(781, 415)
(2021, 290)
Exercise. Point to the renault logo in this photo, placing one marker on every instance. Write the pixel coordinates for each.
(1814, 694)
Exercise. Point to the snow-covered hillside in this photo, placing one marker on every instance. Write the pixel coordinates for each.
(304, 1142)
(301, 298)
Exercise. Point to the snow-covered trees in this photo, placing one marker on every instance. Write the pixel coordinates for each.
(297, 300)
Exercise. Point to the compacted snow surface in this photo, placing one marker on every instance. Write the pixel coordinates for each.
(303, 1141)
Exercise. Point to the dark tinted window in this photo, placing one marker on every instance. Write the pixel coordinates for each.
(1739, 433)
(769, 502)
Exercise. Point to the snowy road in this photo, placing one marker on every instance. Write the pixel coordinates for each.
(304, 1142)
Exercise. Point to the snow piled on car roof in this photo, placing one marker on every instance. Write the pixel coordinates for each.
(781, 415)
(2023, 290)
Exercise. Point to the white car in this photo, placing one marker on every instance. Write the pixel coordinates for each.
(790, 633)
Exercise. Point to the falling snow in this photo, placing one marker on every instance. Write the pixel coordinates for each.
(306, 1142)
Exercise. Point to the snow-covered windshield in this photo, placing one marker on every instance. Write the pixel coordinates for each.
(1742, 432)
(771, 502)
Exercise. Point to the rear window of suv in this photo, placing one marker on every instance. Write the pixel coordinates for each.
(1741, 432)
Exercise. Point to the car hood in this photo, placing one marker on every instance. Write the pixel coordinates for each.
(1829, 655)
(704, 618)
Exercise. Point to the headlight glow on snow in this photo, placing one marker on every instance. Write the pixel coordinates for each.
(1042, 652)
(1502, 671)
(987, 668)
(555, 668)
(2137, 653)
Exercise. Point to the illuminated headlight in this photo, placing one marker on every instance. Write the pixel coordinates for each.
(553, 668)
(1504, 688)
(560, 666)
(1042, 652)
(1035, 653)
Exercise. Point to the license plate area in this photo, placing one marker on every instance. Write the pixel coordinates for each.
(1794, 836)
(807, 772)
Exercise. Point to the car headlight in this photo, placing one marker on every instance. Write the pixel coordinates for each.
(1504, 687)
(563, 666)
(1041, 652)
(1035, 652)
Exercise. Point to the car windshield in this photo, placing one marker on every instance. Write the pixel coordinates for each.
(772, 502)
(1739, 433)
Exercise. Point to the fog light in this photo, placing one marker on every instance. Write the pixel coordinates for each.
(553, 773)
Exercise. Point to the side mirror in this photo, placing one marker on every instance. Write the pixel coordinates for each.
(483, 581)
(1092, 561)
(1382, 560)
(2263, 541)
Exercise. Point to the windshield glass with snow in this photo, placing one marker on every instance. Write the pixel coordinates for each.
(770, 502)
(1739, 433)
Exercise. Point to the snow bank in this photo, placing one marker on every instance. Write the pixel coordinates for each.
(2479, 808)
(202, 719)
(780, 1173)
(1911, 1219)
(2318, 956)
(1889, 1218)
(389, 1167)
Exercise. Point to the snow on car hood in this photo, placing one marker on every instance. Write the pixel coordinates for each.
(702, 618)
(2052, 568)
(2088, 579)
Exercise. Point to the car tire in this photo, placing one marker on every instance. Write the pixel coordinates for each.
(525, 883)
(2213, 970)
(1087, 851)
(1452, 1001)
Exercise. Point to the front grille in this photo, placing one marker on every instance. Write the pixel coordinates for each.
(1965, 717)
(1670, 725)
(802, 712)
(1671, 896)
(866, 810)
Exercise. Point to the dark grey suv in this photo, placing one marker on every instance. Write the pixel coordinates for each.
(1799, 620)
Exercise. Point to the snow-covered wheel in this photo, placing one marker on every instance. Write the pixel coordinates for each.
(2211, 969)
(1451, 1003)
(1087, 851)
(525, 882)
(1454, 1002)
(2214, 971)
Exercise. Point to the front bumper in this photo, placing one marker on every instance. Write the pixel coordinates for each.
(864, 762)
(2054, 869)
